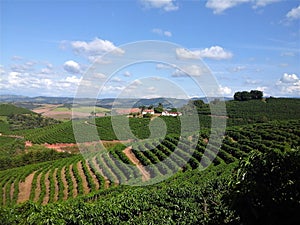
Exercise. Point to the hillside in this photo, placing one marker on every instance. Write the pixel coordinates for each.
(180, 197)
(239, 113)
(8, 109)
(14, 118)
(42, 186)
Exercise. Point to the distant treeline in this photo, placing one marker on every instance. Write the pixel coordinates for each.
(246, 96)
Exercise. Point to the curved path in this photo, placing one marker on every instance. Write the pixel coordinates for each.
(130, 155)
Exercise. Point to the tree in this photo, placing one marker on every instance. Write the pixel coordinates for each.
(159, 108)
(246, 96)
(266, 188)
(238, 96)
(255, 94)
(198, 103)
(142, 107)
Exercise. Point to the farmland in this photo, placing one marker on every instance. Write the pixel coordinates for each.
(189, 173)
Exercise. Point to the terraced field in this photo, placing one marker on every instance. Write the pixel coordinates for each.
(71, 177)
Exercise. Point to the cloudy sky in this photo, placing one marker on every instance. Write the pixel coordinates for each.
(48, 47)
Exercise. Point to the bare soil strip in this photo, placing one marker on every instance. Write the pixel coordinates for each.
(59, 147)
(75, 192)
(85, 185)
(38, 188)
(96, 182)
(47, 184)
(130, 155)
(25, 189)
(55, 185)
(106, 180)
(65, 183)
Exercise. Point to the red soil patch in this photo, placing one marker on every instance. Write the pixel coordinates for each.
(59, 146)
(62, 147)
(25, 189)
(130, 155)
(28, 144)
(127, 110)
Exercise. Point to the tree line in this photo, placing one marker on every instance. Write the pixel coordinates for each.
(246, 96)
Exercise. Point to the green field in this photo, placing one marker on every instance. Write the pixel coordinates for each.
(196, 180)
(82, 109)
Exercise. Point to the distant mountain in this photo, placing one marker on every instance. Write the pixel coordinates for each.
(105, 103)
(38, 99)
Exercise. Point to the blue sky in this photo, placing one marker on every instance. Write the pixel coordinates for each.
(47, 47)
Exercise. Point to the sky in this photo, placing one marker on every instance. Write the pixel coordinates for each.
(53, 48)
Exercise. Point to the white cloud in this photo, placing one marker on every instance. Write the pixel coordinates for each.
(116, 79)
(38, 78)
(99, 76)
(127, 74)
(283, 64)
(289, 84)
(263, 89)
(152, 89)
(112, 89)
(238, 69)
(214, 52)
(166, 5)
(183, 53)
(162, 32)
(73, 80)
(225, 90)
(192, 70)
(291, 54)
(16, 58)
(95, 48)
(294, 13)
(161, 66)
(219, 6)
(289, 78)
(72, 67)
(168, 33)
(252, 82)
(14, 78)
(262, 3)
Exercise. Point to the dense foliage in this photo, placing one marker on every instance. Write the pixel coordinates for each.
(190, 196)
(254, 178)
(246, 96)
(12, 153)
(266, 188)
(29, 121)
